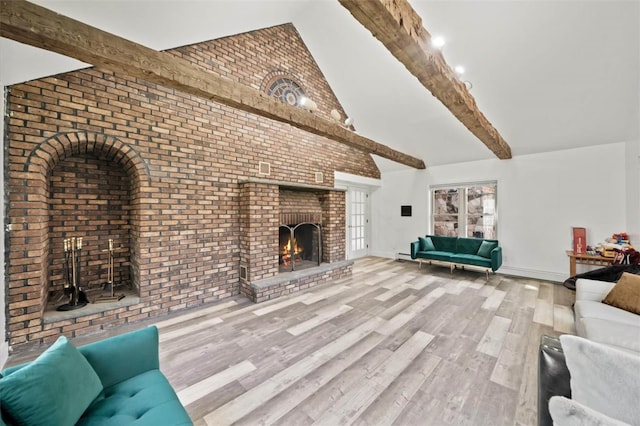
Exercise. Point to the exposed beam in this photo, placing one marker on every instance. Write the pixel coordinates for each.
(40, 27)
(399, 28)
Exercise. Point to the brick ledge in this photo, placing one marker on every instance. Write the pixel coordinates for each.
(91, 309)
(291, 282)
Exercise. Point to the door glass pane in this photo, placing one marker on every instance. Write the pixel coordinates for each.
(357, 220)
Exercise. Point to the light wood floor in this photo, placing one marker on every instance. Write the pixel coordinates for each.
(390, 345)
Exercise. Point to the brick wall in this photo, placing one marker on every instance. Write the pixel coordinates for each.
(333, 223)
(259, 229)
(183, 159)
(299, 206)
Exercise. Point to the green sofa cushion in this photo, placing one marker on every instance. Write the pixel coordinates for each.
(435, 255)
(471, 259)
(468, 245)
(426, 244)
(146, 399)
(444, 243)
(55, 389)
(485, 248)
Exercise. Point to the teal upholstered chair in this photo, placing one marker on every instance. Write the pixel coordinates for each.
(115, 381)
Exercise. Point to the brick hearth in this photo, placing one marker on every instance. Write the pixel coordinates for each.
(175, 181)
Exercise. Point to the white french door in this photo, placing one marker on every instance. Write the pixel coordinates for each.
(357, 222)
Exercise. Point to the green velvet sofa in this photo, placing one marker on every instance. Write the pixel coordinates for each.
(115, 381)
(458, 251)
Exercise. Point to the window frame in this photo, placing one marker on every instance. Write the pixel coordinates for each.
(463, 206)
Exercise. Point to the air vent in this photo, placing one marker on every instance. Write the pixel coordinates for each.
(319, 177)
(264, 168)
(243, 273)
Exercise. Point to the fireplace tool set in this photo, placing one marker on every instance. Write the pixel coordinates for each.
(71, 272)
(111, 297)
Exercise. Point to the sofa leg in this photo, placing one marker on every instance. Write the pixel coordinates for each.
(487, 272)
(451, 269)
(419, 263)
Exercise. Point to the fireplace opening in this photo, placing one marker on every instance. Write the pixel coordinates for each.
(299, 247)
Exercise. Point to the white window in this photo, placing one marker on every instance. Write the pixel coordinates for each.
(465, 210)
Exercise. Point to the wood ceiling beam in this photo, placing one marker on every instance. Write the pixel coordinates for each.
(399, 28)
(37, 26)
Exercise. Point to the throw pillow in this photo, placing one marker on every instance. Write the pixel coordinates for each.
(603, 378)
(426, 244)
(55, 389)
(485, 249)
(625, 294)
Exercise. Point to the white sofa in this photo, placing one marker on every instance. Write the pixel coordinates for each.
(603, 323)
(605, 390)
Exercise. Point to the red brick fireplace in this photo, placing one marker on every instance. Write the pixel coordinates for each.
(174, 180)
(265, 207)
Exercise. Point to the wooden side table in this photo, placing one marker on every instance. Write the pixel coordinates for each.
(586, 259)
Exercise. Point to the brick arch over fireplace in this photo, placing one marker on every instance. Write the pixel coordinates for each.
(30, 238)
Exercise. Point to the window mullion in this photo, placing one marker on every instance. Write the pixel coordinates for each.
(462, 214)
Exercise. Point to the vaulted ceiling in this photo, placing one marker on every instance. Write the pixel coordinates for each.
(549, 75)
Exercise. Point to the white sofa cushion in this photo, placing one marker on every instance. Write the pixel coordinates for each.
(592, 309)
(567, 412)
(618, 334)
(592, 289)
(603, 378)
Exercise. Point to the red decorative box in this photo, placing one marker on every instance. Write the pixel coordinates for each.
(579, 240)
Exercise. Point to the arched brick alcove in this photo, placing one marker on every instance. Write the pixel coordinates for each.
(74, 167)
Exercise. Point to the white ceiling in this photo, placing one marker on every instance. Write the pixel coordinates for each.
(549, 75)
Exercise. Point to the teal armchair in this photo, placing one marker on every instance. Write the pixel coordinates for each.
(134, 390)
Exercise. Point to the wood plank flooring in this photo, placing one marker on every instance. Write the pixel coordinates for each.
(391, 345)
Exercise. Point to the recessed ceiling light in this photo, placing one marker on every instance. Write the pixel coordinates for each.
(438, 42)
(459, 69)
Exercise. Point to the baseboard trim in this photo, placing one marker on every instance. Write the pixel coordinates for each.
(533, 273)
(504, 270)
(385, 254)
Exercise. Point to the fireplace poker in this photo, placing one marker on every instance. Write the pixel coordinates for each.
(71, 269)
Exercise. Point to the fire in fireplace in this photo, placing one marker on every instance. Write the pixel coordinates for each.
(300, 247)
(291, 252)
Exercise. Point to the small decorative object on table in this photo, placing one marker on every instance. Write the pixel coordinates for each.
(579, 240)
(620, 250)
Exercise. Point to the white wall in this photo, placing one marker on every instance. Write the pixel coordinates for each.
(390, 232)
(633, 176)
(540, 197)
(633, 191)
(3, 344)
